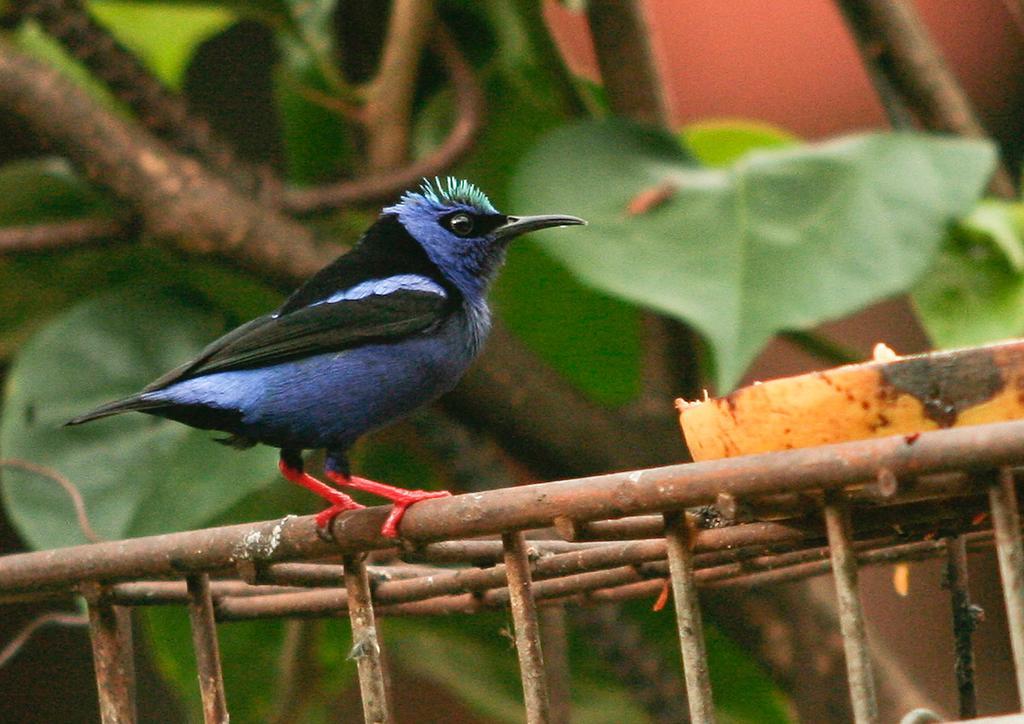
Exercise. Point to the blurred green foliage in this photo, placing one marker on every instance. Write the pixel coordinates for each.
(748, 232)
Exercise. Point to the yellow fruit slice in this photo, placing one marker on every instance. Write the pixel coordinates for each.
(889, 396)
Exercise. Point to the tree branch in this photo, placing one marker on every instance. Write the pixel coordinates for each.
(160, 109)
(174, 196)
(890, 34)
(624, 56)
(389, 96)
(469, 104)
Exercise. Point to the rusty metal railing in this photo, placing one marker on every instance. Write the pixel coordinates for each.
(781, 517)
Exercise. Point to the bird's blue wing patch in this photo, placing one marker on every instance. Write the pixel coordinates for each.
(385, 286)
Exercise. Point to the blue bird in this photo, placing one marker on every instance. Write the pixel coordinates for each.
(384, 329)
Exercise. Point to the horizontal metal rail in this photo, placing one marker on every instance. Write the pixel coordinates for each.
(779, 517)
(530, 506)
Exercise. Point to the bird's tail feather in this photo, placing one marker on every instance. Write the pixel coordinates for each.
(116, 407)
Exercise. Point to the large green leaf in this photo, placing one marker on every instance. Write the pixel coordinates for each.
(139, 475)
(779, 240)
(974, 292)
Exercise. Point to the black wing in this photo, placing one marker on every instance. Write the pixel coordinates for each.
(328, 327)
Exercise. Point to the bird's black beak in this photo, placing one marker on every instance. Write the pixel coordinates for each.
(517, 225)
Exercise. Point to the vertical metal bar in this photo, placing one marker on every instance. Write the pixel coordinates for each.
(365, 642)
(1002, 498)
(679, 540)
(554, 641)
(963, 624)
(524, 616)
(851, 615)
(204, 641)
(110, 630)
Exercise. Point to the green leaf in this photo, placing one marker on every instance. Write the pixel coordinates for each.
(164, 36)
(720, 143)
(1002, 222)
(591, 338)
(139, 475)
(971, 295)
(780, 240)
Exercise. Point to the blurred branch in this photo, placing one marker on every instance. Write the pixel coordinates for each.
(469, 104)
(160, 109)
(541, 419)
(60, 234)
(896, 110)
(53, 618)
(628, 70)
(389, 96)
(175, 197)
(891, 36)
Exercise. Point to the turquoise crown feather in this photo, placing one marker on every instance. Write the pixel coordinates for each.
(450, 192)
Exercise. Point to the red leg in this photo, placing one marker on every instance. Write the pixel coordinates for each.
(338, 500)
(400, 497)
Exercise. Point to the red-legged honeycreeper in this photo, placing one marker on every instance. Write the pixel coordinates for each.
(388, 327)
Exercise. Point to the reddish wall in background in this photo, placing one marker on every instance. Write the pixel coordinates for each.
(795, 65)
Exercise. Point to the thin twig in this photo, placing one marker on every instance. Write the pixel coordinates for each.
(344, 108)
(52, 618)
(69, 487)
(469, 104)
(60, 234)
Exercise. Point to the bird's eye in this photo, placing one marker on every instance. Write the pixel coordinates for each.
(461, 224)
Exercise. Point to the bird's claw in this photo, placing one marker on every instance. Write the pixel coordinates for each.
(400, 505)
(324, 518)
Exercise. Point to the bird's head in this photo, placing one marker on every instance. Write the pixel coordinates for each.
(461, 231)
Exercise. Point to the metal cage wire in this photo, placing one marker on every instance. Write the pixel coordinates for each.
(537, 548)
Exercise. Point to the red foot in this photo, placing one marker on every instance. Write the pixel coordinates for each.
(400, 497)
(324, 517)
(338, 500)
